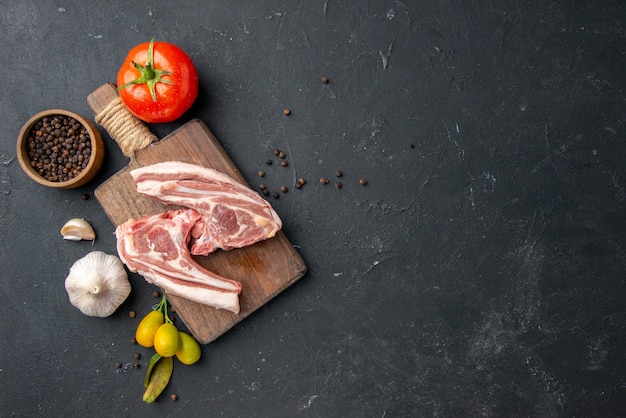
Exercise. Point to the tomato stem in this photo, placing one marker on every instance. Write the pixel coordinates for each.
(148, 74)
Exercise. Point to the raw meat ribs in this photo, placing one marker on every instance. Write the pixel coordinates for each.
(234, 215)
(156, 247)
(218, 211)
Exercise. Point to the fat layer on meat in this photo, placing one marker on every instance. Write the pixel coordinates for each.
(234, 216)
(157, 248)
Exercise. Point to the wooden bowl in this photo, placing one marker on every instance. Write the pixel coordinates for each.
(85, 174)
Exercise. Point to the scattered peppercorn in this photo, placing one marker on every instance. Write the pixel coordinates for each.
(338, 173)
(275, 195)
(268, 162)
(284, 163)
(262, 186)
(174, 397)
(261, 173)
(287, 112)
(59, 148)
(281, 155)
(276, 152)
(324, 180)
(301, 181)
(136, 365)
(266, 192)
(325, 80)
(84, 196)
(362, 182)
(132, 314)
(133, 341)
(298, 185)
(137, 355)
(156, 294)
(118, 365)
(283, 189)
(337, 185)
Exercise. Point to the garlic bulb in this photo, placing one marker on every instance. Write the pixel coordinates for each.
(97, 284)
(76, 229)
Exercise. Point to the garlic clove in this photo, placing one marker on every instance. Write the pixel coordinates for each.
(97, 284)
(77, 229)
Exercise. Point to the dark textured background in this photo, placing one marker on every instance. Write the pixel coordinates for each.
(479, 273)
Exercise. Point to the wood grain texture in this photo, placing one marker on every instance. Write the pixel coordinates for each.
(264, 269)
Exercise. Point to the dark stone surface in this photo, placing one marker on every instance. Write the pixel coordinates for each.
(479, 273)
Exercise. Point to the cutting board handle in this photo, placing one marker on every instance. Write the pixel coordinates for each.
(130, 133)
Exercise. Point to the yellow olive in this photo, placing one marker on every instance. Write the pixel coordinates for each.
(189, 350)
(166, 340)
(147, 328)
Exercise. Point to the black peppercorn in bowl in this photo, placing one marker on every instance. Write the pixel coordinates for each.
(58, 148)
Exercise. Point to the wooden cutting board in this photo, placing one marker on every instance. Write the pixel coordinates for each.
(264, 269)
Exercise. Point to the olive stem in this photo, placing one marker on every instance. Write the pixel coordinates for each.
(162, 307)
(165, 314)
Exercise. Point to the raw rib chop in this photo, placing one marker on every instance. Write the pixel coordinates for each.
(157, 248)
(234, 216)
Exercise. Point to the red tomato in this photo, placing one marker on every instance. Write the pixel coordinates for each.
(158, 82)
